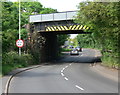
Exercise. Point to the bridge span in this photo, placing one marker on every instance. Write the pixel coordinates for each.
(50, 25)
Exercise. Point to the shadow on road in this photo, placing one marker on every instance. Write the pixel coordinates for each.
(77, 59)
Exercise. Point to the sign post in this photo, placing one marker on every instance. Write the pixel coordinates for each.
(19, 27)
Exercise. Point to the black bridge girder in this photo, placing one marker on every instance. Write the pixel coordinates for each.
(66, 32)
(41, 26)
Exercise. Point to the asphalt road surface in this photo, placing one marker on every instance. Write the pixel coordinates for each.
(71, 74)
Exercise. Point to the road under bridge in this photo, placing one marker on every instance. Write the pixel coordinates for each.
(50, 25)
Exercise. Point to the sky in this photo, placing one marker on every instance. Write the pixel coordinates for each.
(60, 5)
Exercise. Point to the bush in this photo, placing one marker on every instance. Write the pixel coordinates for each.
(65, 50)
(36, 57)
(109, 60)
(12, 60)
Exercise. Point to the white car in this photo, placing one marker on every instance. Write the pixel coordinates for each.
(78, 48)
(74, 52)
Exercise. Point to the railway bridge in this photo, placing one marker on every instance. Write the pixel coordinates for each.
(48, 26)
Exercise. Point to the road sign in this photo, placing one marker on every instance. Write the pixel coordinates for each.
(19, 43)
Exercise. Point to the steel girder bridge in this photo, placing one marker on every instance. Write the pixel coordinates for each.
(50, 25)
(61, 22)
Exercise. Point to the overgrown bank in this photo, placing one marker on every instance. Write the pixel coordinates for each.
(12, 60)
(103, 19)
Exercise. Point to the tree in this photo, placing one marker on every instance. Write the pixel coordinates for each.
(61, 40)
(74, 41)
(102, 17)
(48, 10)
(10, 25)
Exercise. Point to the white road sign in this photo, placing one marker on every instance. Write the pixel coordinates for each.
(19, 43)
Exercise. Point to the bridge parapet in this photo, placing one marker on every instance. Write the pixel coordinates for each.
(53, 16)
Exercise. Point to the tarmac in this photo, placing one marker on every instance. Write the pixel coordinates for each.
(105, 71)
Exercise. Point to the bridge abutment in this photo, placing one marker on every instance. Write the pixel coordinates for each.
(49, 50)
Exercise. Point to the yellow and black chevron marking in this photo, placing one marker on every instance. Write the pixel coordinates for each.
(63, 28)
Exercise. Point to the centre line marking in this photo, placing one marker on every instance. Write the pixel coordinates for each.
(62, 74)
(79, 87)
(66, 78)
(70, 64)
(66, 66)
(61, 71)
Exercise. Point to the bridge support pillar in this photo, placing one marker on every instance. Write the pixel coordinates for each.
(49, 51)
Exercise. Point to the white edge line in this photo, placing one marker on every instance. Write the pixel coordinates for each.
(6, 86)
(79, 87)
(66, 78)
(12, 76)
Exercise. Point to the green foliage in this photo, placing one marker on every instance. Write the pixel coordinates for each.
(10, 21)
(9, 38)
(62, 39)
(24, 33)
(86, 41)
(12, 60)
(10, 27)
(65, 50)
(73, 42)
(102, 17)
(29, 8)
(110, 60)
(48, 10)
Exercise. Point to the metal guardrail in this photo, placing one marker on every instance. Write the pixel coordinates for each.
(53, 16)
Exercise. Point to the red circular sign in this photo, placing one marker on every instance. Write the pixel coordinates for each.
(19, 43)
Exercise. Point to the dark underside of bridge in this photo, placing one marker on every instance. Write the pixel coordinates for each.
(50, 29)
(51, 48)
(66, 32)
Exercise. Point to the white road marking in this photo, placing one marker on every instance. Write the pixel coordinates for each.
(66, 66)
(62, 74)
(66, 78)
(79, 87)
(61, 71)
